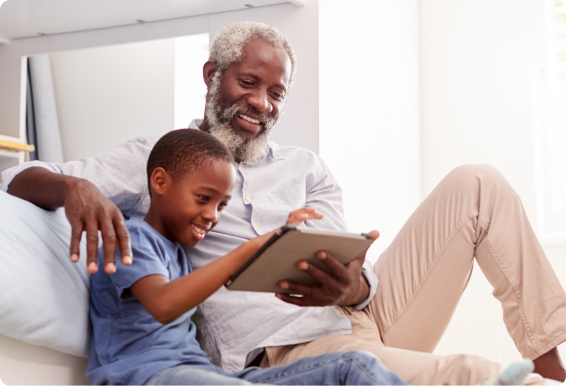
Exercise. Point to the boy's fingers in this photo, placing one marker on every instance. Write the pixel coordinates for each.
(374, 235)
(92, 246)
(123, 240)
(76, 233)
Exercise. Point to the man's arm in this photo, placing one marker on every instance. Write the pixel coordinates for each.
(93, 190)
(86, 208)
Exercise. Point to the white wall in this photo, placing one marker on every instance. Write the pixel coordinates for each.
(369, 111)
(477, 72)
(107, 95)
(12, 91)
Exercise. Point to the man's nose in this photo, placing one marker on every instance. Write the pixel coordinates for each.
(260, 101)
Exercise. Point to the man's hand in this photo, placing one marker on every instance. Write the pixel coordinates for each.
(344, 286)
(87, 209)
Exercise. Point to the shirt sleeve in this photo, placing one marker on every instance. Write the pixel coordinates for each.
(326, 196)
(119, 173)
(9, 174)
(149, 259)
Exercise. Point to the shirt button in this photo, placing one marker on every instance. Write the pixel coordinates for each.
(242, 165)
(248, 199)
(256, 228)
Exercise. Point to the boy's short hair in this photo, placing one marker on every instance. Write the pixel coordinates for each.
(181, 152)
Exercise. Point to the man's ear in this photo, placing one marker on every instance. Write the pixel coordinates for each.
(160, 181)
(208, 71)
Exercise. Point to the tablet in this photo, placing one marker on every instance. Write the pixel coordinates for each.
(277, 259)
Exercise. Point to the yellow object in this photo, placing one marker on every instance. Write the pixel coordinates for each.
(14, 146)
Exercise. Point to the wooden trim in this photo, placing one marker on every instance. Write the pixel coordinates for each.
(14, 146)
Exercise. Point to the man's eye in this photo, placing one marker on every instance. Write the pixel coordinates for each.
(277, 96)
(246, 83)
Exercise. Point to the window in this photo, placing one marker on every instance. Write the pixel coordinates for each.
(191, 52)
(551, 139)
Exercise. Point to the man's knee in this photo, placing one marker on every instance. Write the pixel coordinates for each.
(476, 176)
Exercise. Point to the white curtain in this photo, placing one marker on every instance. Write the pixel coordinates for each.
(41, 106)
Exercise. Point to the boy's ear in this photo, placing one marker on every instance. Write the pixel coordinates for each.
(159, 181)
(208, 71)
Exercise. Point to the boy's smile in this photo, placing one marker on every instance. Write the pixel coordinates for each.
(185, 210)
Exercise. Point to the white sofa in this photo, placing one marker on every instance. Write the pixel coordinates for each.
(44, 323)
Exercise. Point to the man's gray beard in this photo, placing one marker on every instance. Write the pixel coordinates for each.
(242, 149)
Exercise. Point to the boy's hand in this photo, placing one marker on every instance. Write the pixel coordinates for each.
(301, 215)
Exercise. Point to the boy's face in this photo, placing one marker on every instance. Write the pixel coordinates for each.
(192, 205)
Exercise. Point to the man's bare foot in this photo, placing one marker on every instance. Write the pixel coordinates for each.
(550, 366)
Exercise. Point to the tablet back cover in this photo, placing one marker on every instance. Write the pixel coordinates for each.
(279, 261)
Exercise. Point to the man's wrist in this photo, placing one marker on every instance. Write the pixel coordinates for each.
(363, 292)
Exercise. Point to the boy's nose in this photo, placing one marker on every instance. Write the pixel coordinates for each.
(210, 215)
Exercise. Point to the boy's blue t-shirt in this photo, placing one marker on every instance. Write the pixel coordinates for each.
(128, 345)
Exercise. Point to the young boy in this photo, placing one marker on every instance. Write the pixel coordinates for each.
(141, 315)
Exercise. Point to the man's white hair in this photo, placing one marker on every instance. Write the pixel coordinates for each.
(228, 47)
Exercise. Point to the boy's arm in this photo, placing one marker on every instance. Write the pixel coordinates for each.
(167, 300)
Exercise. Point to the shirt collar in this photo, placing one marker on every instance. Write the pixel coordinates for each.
(274, 150)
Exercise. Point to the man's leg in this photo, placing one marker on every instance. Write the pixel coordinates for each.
(417, 368)
(472, 212)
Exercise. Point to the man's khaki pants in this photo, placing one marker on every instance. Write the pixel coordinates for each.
(473, 212)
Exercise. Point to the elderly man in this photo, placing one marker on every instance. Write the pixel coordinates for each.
(473, 212)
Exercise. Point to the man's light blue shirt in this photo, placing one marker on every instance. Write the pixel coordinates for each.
(233, 324)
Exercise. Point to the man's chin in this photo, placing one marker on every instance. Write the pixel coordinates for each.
(242, 148)
(246, 134)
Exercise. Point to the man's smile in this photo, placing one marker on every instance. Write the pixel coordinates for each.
(248, 124)
(249, 119)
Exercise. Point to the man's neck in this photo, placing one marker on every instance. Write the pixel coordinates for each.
(205, 126)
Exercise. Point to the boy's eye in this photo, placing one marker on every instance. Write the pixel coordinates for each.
(204, 198)
(222, 205)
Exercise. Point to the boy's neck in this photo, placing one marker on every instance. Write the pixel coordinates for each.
(153, 218)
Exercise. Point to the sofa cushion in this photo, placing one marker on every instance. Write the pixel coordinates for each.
(43, 295)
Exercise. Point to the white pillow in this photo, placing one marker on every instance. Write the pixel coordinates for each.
(44, 297)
